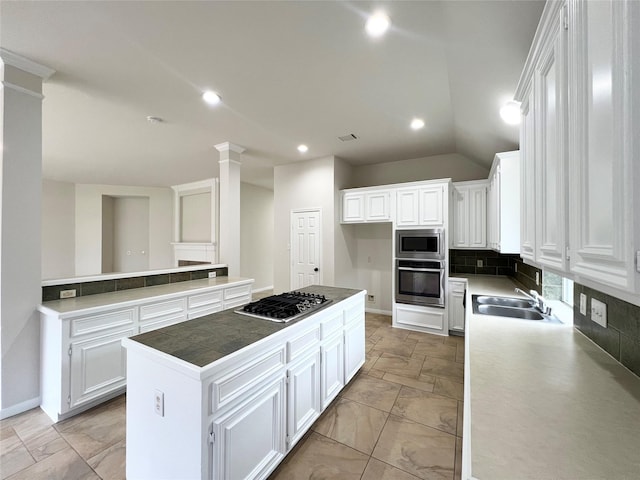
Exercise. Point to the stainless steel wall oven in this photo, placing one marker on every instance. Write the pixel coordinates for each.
(420, 282)
(425, 243)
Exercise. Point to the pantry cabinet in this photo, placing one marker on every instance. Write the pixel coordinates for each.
(469, 207)
(579, 139)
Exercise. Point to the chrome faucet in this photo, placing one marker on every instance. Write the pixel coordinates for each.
(538, 300)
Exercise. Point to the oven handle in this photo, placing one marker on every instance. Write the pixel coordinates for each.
(409, 269)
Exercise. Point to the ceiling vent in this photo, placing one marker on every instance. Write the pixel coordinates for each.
(348, 138)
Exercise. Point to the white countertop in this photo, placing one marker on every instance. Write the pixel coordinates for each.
(544, 401)
(122, 298)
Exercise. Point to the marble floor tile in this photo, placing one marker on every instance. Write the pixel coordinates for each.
(370, 360)
(449, 388)
(399, 365)
(373, 392)
(110, 463)
(14, 456)
(426, 338)
(440, 367)
(458, 465)
(391, 332)
(353, 424)
(460, 354)
(376, 373)
(460, 422)
(454, 340)
(422, 451)
(377, 470)
(45, 444)
(321, 458)
(438, 350)
(32, 424)
(425, 382)
(427, 408)
(66, 464)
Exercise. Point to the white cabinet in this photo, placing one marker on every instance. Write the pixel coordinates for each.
(503, 203)
(455, 300)
(420, 206)
(303, 396)
(550, 83)
(332, 368)
(421, 319)
(354, 348)
(249, 438)
(469, 207)
(579, 141)
(366, 205)
(82, 360)
(528, 176)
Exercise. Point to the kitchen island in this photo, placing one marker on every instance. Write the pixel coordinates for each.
(543, 402)
(227, 396)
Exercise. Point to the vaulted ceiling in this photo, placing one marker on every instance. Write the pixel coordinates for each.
(288, 73)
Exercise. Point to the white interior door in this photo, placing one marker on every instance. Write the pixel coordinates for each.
(305, 248)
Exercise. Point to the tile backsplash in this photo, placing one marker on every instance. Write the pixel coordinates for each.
(104, 286)
(621, 337)
(494, 263)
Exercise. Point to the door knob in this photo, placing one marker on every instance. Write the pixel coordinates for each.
(315, 269)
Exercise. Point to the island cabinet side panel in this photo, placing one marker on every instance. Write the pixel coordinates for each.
(168, 441)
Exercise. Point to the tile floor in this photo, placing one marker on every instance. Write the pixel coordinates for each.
(399, 419)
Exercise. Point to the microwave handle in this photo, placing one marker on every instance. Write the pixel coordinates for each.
(410, 269)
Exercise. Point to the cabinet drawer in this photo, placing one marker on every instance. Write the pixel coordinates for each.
(202, 299)
(241, 380)
(457, 287)
(239, 291)
(236, 302)
(161, 309)
(207, 310)
(302, 343)
(163, 321)
(353, 313)
(331, 325)
(104, 321)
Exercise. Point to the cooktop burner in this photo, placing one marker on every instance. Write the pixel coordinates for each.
(284, 307)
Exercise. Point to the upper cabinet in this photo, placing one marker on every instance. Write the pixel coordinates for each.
(503, 203)
(469, 212)
(366, 205)
(420, 206)
(579, 138)
(417, 204)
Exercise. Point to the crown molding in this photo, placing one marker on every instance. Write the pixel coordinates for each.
(226, 146)
(29, 66)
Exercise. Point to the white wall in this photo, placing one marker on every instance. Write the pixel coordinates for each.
(108, 231)
(373, 263)
(455, 166)
(130, 234)
(302, 185)
(344, 243)
(256, 235)
(58, 229)
(195, 215)
(89, 224)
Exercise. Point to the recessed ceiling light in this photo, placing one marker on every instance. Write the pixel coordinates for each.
(303, 148)
(152, 119)
(417, 123)
(377, 24)
(212, 98)
(510, 112)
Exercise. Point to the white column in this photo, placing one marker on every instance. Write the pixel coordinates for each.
(20, 219)
(230, 206)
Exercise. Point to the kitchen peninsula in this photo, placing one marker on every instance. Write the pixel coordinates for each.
(228, 396)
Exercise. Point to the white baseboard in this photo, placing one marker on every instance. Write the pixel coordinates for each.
(379, 312)
(263, 289)
(19, 408)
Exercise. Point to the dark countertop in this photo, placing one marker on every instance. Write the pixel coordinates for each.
(204, 340)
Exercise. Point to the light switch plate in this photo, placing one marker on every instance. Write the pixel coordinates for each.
(599, 312)
(158, 402)
(583, 304)
(479, 263)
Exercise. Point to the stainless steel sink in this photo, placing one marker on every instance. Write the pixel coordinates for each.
(503, 301)
(513, 312)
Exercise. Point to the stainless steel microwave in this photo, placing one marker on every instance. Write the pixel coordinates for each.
(427, 243)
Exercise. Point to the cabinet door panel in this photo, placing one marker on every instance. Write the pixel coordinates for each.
(250, 438)
(354, 348)
(98, 366)
(332, 369)
(378, 206)
(602, 160)
(353, 207)
(407, 202)
(431, 213)
(303, 396)
(477, 237)
(527, 177)
(460, 200)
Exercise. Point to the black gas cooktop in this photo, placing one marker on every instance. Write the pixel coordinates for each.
(284, 307)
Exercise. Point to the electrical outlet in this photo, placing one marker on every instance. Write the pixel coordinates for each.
(583, 304)
(68, 293)
(158, 402)
(537, 278)
(599, 312)
(371, 298)
(516, 267)
(212, 274)
(479, 263)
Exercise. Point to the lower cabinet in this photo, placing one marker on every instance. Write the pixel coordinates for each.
(249, 437)
(332, 352)
(421, 319)
(455, 301)
(354, 348)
